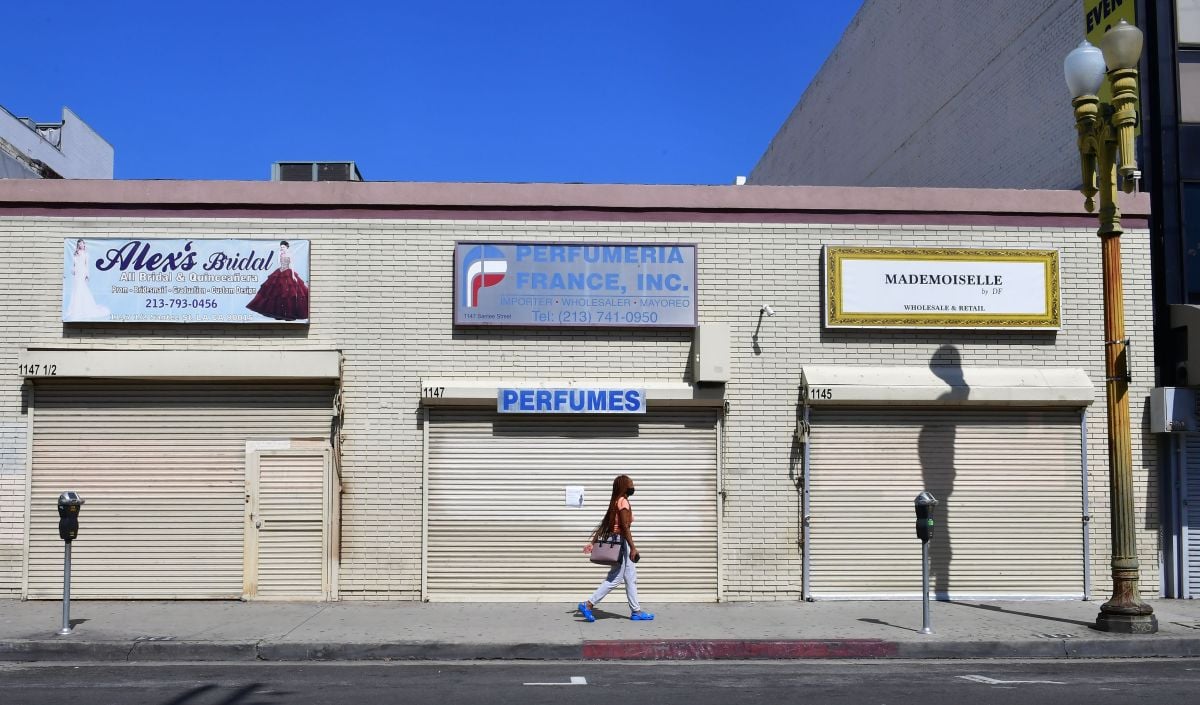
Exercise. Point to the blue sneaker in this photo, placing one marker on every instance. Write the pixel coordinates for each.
(587, 612)
(641, 616)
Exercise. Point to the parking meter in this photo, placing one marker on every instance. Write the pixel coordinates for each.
(68, 528)
(925, 503)
(68, 515)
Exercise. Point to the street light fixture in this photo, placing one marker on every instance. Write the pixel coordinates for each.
(1106, 132)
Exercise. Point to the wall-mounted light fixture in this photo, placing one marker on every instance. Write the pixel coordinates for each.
(763, 310)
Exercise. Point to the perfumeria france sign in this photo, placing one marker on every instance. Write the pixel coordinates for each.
(892, 287)
(574, 284)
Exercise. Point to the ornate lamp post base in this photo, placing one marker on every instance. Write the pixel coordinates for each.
(1127, 623)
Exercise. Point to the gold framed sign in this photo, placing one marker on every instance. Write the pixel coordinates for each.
(915, 287)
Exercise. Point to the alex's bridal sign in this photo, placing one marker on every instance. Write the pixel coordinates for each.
(185, 281)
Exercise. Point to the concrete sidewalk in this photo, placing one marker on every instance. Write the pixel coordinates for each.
(236, 631)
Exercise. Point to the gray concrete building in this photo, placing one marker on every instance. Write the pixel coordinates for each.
(939, 93)
(67, 149)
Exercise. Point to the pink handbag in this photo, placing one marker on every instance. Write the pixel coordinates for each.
(606, 550)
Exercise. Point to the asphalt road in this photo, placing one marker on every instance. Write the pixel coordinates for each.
(584, 683)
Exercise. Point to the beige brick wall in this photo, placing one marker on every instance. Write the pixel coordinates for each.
(382, 295)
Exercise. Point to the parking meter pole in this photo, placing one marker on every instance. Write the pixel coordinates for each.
(924, 504)
(925, 627)
(66, 624)
(68, 529)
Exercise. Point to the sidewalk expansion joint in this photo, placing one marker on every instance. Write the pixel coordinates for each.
(304, 621)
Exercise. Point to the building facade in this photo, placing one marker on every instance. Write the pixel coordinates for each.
(356, 441)
(974, 97)
(68, 149)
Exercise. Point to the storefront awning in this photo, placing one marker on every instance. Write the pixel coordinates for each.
(476, 392)
(182, 364)
(948, 386)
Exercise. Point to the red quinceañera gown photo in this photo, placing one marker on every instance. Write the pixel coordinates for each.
(283, 296)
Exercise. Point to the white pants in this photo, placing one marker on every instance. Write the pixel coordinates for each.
(625, 571)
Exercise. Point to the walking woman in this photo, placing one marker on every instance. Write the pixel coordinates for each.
(617, 520)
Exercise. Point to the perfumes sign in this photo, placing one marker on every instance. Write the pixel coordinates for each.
(892, 287)
(185, 281)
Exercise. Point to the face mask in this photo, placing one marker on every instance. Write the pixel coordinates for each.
(629, 492)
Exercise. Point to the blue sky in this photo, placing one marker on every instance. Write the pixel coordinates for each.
(459, 90)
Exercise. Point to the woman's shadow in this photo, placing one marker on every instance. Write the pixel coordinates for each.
(935, 449)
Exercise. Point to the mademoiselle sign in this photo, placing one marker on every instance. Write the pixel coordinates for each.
(594, 285)
(185, 281)
(890, 287)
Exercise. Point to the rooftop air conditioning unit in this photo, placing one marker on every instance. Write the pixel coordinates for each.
(315, 171)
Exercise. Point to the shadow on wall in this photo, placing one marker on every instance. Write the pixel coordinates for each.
(867, 338)
(796, 454)
(796, 466)
(935, 449)
(186, 331)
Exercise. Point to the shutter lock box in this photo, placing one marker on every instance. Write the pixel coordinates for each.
(710, 353)
(1173, 410)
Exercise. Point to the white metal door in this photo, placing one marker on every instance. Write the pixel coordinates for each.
(162, 469)
(1010, 486)
(498, 528)
(287, 524)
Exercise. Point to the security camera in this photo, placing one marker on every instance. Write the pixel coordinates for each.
(767, 310)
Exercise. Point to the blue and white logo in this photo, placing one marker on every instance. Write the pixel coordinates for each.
(483, 266)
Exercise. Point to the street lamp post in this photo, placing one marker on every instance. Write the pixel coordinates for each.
(1106, 132)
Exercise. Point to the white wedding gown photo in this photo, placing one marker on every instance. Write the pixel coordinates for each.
(83, 306)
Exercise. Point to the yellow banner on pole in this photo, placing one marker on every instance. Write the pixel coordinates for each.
(1099, 16)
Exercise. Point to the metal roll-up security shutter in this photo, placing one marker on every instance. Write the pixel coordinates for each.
(499, 528)
(1191, 514)
(161, 467)
(1010, 486)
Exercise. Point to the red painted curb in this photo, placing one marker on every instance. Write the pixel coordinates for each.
(703, 649)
